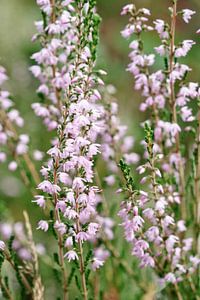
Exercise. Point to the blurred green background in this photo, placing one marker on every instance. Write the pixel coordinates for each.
(16, 29)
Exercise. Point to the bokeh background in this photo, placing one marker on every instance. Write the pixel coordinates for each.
(16, 29)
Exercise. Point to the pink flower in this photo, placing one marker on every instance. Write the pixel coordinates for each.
(146, 261)
(45, 6)
(137, 223)
(170, 243)
(187, 244)
(126, 9)
(134, 45)
(43, 225)
(48, 187)
(3, 138)
(167, 221)
(97, 263)
(186, 47)
(127, 32)
(36, 70)
(110, 180)
(54, 152)
(2, 157)
(38, 155)
(61, 205)
(160, 28)
(70, 213)
(170, 277)
(152, 233)
(78, 184)
(82, 236)
(40, 201)
(146, 11)
(187, 14)
(93, 228)
(195, 261)
(131, 158)
(69, 242)
(12, 166)
(60, 227)
(71, 255)
(161, 50)
(181, 226)
(21, 149)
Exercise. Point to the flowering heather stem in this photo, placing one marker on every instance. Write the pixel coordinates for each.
(57, 92)
(82, 269)
(60, 238)
(197, 189)
(167, 235)
(173, 108)
(52, 2)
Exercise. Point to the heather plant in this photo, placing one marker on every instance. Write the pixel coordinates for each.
(115, 215)
(155, 220)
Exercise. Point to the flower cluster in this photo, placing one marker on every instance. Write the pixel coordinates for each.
(68, 176)
(58, 35)
(149, 218)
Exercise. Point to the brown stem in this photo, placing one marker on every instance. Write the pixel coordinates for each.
(96, 286)
(23, 278)
(81, 258)
(60, 239)
(82, 270)
(192, 286)
(178, 292)
(173, 108)
(57, 91)
(5, 289)
(53, 16)
(56, 164)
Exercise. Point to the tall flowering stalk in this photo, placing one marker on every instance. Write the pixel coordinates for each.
(69, 175)
(154, 220)
(57, 35)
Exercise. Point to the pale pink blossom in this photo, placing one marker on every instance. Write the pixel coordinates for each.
(43, 225)
(187, 14)
(71, 255)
